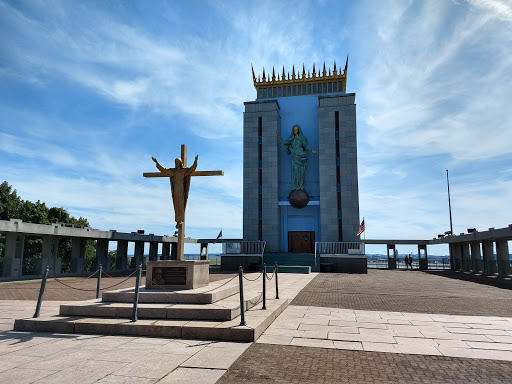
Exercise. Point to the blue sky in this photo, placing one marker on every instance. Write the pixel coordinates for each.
(89, 91)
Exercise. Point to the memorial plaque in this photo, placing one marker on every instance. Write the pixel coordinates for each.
(169, 276)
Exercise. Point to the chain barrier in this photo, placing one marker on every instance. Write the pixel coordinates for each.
(88, 277)
(91, 290)
(258, 300)
(273, 274)
(220, 286)
(253, 279)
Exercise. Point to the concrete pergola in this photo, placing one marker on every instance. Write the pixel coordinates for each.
(466, 250)
(16, 230)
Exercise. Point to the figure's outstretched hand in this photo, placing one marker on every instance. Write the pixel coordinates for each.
(314, 151)
(277, 133)
(155, 160)
(197, 156)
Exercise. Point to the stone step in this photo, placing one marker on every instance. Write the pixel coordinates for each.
(257, 320)
(222, 310)
(290, 269)
(210, 294)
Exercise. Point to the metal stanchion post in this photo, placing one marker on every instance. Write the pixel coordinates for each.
(241, 282)
(98, 284)
(277, 285)
(264, 286)
(41, 292)
(136, 296)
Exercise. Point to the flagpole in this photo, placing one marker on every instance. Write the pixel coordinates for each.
(364, 240)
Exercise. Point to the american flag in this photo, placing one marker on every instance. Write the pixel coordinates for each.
(218, 237)
(361, 228)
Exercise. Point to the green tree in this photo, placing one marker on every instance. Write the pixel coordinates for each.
(9, 202)
(13, 207)
(34, 212)
(112, 255)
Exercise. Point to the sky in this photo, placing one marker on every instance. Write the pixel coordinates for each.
(90, 91)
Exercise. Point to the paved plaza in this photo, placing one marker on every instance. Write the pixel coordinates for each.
(383, 327)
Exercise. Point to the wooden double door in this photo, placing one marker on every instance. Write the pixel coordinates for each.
(301, 241)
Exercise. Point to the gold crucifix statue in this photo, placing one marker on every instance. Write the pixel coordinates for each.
(180, 185)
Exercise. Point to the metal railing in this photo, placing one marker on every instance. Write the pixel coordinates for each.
(244, 247)
(338, 248)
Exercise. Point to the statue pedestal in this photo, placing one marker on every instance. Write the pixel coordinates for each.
(177, 274)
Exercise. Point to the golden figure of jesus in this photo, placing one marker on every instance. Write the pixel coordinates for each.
(180, 186)
(180, 178)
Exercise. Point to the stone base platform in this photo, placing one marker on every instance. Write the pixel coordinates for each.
(209, 313)
(345, 263)
(177, 274)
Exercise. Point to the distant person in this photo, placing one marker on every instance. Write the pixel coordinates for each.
(410, 260)
(406, 261)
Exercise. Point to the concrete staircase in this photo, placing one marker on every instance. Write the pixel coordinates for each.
(209, 313)
(291, 262)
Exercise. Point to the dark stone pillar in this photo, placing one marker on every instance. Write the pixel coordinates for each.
(13, 255)
(101, 256)
(503, 258)
(391, 259)
(122, 255)
(422, 261)
(490, 266)
(49, 255)
(476, 258)
(77, 255)
(153, 251)
(466, 257)
(166, 251)
(174, 251)
(138, 255)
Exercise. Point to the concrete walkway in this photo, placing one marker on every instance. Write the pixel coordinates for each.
(29, 357)
(323, 340)
(478, 337)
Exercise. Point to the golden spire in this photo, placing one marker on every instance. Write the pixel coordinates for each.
(333, 81)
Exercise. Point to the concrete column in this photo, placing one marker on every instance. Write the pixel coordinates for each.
(466, 257)
(166, 251)
(49, 255)
(422, 261)
(392, 258)
(476, 258)
(138, 255)
(13, 255)
(457, 256)
(122, 255)
(502, 258)
(452, 258)
(174, 251)
(153, 251)
(101, 256)
(77, 255)
(490, 267)
(204, 248)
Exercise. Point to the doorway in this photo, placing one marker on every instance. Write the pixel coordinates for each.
(301, 241)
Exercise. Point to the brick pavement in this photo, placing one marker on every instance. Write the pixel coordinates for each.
(85, 288)
(406, 291)
(291, 364)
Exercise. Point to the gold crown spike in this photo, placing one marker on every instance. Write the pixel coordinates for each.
(298, 84)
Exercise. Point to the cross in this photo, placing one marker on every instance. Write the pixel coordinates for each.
(180, 184)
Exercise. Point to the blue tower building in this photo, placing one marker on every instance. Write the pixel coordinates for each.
(326, 113)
